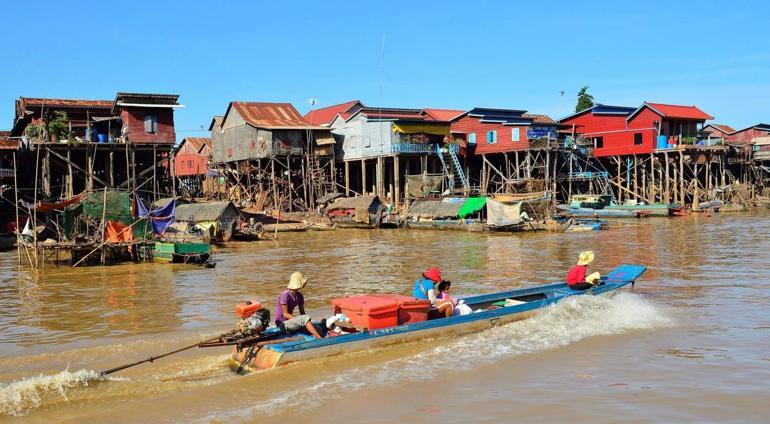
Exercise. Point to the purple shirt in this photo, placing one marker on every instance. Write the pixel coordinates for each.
(291, 301)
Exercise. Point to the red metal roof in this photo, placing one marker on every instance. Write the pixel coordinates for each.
(325, 115)
(724, 128)
(271, 115)
(442, 114)
(677, 111)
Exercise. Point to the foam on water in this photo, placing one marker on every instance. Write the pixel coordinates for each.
(21, 396)
(569, 321)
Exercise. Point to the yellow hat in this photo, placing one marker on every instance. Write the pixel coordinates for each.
(297, 280)
(585, 258)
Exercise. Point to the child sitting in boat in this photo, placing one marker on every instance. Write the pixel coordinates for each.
(288, 300)
(577, 279)
(443, 292)
(425, 289)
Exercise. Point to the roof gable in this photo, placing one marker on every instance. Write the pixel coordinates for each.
(673, 111)
(721, 128)
(501, 116)
(326, 115)
(442, 114)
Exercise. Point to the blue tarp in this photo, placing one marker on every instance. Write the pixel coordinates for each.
(161, 218)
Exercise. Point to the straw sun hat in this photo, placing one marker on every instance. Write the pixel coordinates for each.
(585, 258)
(297, 280)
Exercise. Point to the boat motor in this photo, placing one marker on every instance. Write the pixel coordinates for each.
(254, 318)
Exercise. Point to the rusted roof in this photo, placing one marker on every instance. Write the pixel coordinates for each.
(675, 111)
(442, 114)
(197, 142)
(216, 122)
(540, 119)
(723, 128)
(271, 115)
(358, 202)
(325, 115)
(24, 102)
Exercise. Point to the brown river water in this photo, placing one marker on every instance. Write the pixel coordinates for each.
(690, 343)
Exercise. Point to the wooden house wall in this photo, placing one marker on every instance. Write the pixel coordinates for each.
(361, 138)
(747, 135)
(616, 132)
(133, 124)
(468, 124)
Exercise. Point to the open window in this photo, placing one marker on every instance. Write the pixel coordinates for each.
(638, 139)
(598, 142)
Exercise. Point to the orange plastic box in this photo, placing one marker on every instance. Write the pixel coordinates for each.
(368, 311)
(410, 310)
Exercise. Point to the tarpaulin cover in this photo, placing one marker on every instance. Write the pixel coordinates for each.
(161, 218)
(49, 206)
(422, 185)
(115, 204)
(471, 206)
(435, 129)
(502, 215)
(117, 232)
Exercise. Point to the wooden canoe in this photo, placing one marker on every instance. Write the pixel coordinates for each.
(530, 301)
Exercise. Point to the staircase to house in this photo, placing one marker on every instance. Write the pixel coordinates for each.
(458, 182)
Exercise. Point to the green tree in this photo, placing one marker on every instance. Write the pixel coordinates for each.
(584, 100)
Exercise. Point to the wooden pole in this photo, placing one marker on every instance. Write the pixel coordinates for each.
(681, 178)
(347, 178)
(396, 181)
(70, 176)
(16, 206)
(104, 218)
(363, 177)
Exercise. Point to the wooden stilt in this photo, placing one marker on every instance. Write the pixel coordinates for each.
(396, 181)
(347, 178)
(363, 177)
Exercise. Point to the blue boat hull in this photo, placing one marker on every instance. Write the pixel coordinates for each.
(533, 299)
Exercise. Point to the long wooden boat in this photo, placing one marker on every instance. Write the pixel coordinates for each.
(601, 213)
(606, 202)
(525, 303)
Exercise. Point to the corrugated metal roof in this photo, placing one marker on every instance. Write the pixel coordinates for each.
(677, 111)
(723, 128)
(197, 142)
(540, 119)
(325, 115)
(442, 114)
(24, 102)
(209, 211)
(271, 115)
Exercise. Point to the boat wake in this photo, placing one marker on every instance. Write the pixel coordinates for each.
(569, 321)
(21, 396)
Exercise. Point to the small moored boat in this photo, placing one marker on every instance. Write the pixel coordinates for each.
(489, 310)
(182, 252)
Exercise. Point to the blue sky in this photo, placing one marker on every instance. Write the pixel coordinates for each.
(448, 54)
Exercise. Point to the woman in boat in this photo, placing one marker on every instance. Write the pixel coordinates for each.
(425, 289)
(288, 300)
(577, 279)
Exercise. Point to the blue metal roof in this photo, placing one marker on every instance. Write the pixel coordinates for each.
(505, 116)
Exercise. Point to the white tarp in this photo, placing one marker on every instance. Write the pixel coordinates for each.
(503, 215)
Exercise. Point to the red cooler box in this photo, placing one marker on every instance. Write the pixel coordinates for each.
(410, 310)
(368, 311)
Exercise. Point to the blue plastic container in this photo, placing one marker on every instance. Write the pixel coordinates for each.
(662, 142)
(101, 138)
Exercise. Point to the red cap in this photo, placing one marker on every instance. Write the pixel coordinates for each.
(433, 274)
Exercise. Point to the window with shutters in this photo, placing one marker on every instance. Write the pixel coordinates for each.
(472, 138)
(150, 123)
(516, 134)
(492, 137)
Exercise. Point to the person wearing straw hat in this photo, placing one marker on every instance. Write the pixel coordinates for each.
(577, 279)
(290, 299)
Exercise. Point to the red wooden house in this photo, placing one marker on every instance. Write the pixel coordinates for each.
(326, 115)
(147, 118)
(718, 131)
(192, 157)
(501, 130)
(619, 130)
(747, 135)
